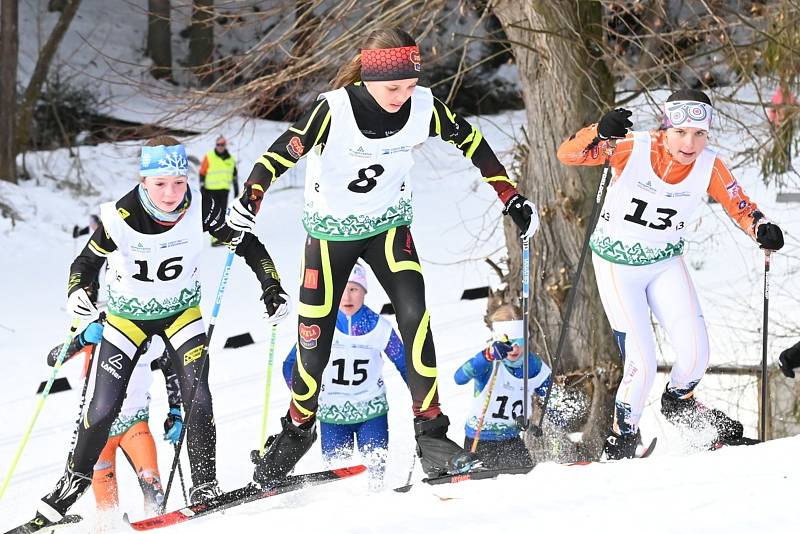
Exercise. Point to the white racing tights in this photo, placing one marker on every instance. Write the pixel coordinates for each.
(628, 294)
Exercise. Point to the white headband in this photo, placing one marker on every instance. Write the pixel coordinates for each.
(510, 329)
(688, 114)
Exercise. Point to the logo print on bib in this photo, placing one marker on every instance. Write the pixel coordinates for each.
(308, 335)
(359, 152)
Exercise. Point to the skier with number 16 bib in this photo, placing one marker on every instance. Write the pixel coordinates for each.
(359, 139)
(660, 178)
(152, 239)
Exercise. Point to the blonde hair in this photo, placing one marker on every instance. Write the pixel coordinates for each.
(505, 312)
(350, 72)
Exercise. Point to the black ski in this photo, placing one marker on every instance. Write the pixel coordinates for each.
(476, 474)
(249, 493)
(644, 454)
(733, 443)
(41, 524)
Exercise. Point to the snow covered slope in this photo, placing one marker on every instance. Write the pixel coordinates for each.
(457, 224)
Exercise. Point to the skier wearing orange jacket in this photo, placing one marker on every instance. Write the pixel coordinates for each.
(660, 178)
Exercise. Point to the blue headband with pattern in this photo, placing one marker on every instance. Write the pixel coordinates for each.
(164, 161)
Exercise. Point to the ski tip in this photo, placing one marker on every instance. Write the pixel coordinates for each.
(350, 471)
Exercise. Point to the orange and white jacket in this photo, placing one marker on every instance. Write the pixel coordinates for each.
(581, 149)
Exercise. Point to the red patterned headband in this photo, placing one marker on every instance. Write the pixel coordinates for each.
(384, 64)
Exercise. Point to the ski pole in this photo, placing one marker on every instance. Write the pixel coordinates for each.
(526, 269)
(485, 408)
(573, 292)
(180, 476)
(85, 388)
(762, 434)
(223, 283)
(45, 392)
(267, 388)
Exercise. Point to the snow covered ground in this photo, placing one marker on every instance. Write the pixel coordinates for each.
(457, 224)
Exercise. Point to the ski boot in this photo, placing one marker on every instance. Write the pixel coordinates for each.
(688, 412)
(41, 524)
(70, 487)
(439, 455)
(621, 446)
(283, 451)
(204, 492)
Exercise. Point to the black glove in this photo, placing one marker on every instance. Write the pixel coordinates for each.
(523, 212)
(614, 124)
(77, 231)
(769, 236)
(789, 360)
(276, 302)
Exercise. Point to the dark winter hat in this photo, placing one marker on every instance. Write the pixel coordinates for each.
(385, 64)
(689, 94)
(688, 108)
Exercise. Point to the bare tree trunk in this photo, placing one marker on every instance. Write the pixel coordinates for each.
(201, 40)
(564, 88)
(159, 38)
(9, 45)
(34, 89)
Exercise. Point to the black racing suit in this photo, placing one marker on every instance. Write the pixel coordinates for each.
(183, 334)
(391, 253)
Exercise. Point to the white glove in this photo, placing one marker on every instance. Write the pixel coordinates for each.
(239, 217)
(278, 304)
(534, 224)
(80, 305)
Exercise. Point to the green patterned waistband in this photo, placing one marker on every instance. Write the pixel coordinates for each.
(135, 308)
(617, 251)
(351, 413)
(123, 423)
(355, 227)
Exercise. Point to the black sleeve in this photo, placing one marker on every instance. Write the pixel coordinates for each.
(258, 259)
(85, 269)
(309, 131)
(250, 248)
(469, 139)
(164, 362)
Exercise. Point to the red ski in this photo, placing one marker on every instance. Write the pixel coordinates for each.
(249, 493)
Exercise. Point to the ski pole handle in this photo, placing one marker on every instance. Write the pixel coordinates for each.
(45, 392)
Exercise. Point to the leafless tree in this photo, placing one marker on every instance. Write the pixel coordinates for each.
(9, 43)
(565, 85)
(159, 38)
(43, 61)
(201, 40)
